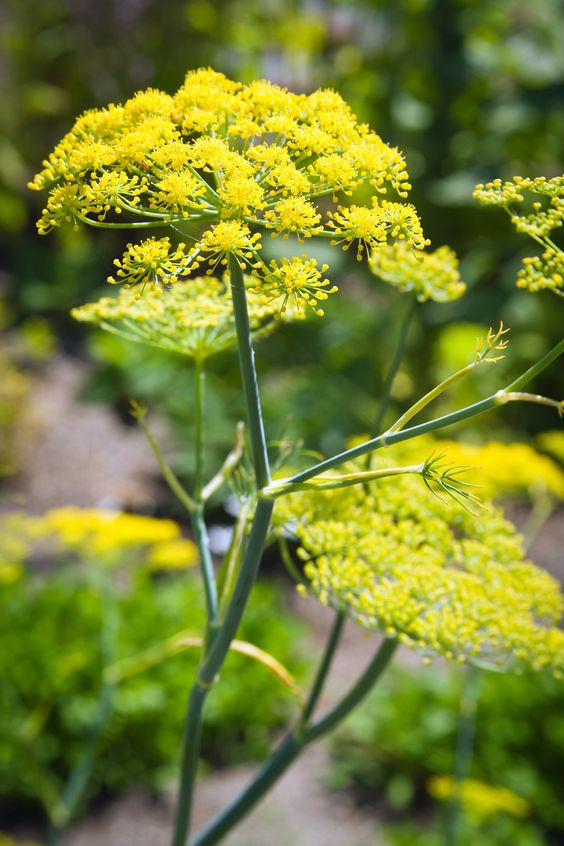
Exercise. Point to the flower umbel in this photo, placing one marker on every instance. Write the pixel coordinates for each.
(422, 568)
(152, 260)
(299, 283)
(536, 207)
(229, 159)
(430, 276)
(194, 317)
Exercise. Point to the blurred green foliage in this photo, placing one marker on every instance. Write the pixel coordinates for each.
(406, 733)
(51, 665)
(499, 831)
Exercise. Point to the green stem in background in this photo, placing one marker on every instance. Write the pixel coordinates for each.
(395, 363)
(387, 439)
(195, 510)
(199, 382)
(536, 368)
(323, 669)
(291, 747)
(248, 374)
(139, 412)
(212, 662)
(75, 787)
(463, 752)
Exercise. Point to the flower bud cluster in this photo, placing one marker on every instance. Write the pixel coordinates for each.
(540, 211)
(430, 276)
(421, 568)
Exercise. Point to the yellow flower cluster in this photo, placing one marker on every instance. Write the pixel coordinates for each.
(150, 261)
(91, 532)
(543, 213)
(176, 554)
(229, 158)
(103, 533)
(479, 800)
(299, 281)
(433, 276)
(395, 558)
(193, 318)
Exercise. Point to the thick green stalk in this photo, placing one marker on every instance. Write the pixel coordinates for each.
(189, 763)
(243, 585)
(218, 645)
(248, 374)
(290, 749)
(387, 439)
(212, 663)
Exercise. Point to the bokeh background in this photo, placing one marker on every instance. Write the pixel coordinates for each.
(470, 90)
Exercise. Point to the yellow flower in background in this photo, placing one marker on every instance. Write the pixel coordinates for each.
(479, 800)
(536, 208)
(553, 443)
(446, 582)
(178, 554)
(433, 276)
(231, 159)
(100, 531)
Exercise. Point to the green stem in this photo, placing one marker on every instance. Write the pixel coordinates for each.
(463, 752)
(75, 787)
(231, 564)
(248, 374)
(206, 564)
(286, 556)
(397, 359)
(387, 439)
(195, 511)
(212, 663)
(536, 368)
(169, 476)
(218, 646)
(199, 381)
(323, 669)
(229, 464)
(290, 749)
(190, 753)
(243, 585)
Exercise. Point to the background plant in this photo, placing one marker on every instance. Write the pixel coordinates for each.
(52, 660)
